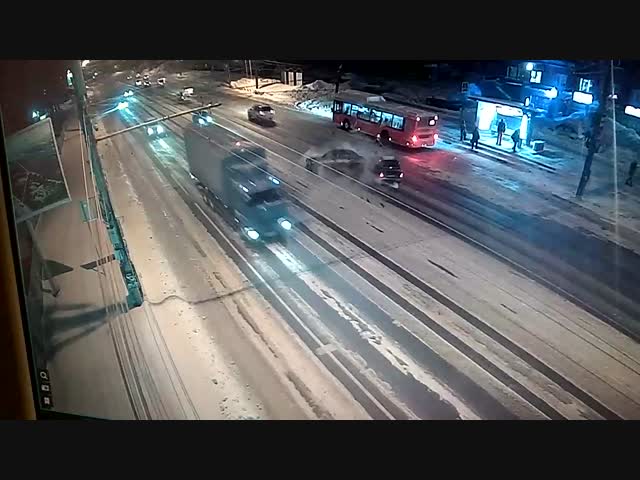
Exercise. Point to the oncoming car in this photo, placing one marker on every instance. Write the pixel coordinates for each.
(128, 93)
(202, 118)
(146, 83)
(162, 81)
(138, 82)
(261, 113)
(156, 131)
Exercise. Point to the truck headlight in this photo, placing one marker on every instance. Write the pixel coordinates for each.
(150, 130)
(160, 129)
(285, 224)
(252, 234)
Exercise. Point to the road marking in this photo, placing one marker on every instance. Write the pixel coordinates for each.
(297, 318)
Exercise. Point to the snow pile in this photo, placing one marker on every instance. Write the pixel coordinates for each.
(321, 108)
(318, 85)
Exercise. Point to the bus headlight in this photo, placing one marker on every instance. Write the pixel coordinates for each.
(160, 129)
(285, 224)
(210, 119)
(150, 131)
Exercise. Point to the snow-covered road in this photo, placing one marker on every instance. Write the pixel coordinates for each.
(452, 332)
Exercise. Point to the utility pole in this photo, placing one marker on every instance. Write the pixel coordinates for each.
(256, 72)
(593, 141)
(338, 78)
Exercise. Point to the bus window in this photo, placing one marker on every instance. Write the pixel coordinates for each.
(346, 108)
(354, 109)
(386, 118)
(364, 112)
(337, 107)
(375, 116)
(398, 122)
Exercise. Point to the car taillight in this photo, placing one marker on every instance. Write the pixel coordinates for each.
(381, 174)
(414, 139)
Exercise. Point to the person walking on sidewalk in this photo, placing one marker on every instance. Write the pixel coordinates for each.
(633, 166)
(515, 136)
(502, 126)
(475, 138)
(463, 130)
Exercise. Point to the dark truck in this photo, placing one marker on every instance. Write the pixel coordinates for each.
(234, 178)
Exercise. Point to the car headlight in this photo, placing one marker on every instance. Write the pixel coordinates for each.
(210, 119)
(150, 131)
(160, 129)
(201, 121)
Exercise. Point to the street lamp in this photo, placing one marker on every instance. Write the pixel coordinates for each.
(529, 66)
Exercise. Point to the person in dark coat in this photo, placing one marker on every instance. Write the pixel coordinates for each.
(475, 138)
(463, 130)
(633, 166)
(515, 136)
(502, 126)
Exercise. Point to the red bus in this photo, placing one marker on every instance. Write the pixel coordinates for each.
(390, 122)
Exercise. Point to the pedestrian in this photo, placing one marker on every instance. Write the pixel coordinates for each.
(632, 171)
(515, 136)
(475, 137)
(463, 130)
(502, 126)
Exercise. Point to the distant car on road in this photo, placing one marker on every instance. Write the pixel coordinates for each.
(146, 83)
(202, 118)
(185, 93)
(146, 77)
(162, 81)
(388, 171)
(341, 159)
(261, 113)
(138, 83)
(138, 75)
(128, 93)
(156, 131)
(129, 77)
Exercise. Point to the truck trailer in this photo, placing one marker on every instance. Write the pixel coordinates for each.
(234, 178)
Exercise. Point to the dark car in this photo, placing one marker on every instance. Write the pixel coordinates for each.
(202, 118)
(341, 159)
(388, 171)
(261, 113)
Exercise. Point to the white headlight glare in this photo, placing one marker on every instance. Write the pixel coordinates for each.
(285, 224)
(201, 121)
(210, 119)
(160, 129)
(252, 234)
(150, 131)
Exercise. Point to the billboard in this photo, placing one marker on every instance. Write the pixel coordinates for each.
(38, 183)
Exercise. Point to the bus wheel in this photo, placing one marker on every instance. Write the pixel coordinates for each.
(384, 137)
(346, 125)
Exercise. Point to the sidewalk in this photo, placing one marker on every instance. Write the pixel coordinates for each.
(556, 173)
(77, 345)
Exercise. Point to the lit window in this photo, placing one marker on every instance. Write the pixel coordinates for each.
(337, 107)
(375, 116)
(387, 118)
(346, 108)
(585, 85)
(536, 76)
(398, 122)
(363, 113)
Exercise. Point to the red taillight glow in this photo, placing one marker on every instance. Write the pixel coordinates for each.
(381, 175)
(414, 139)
